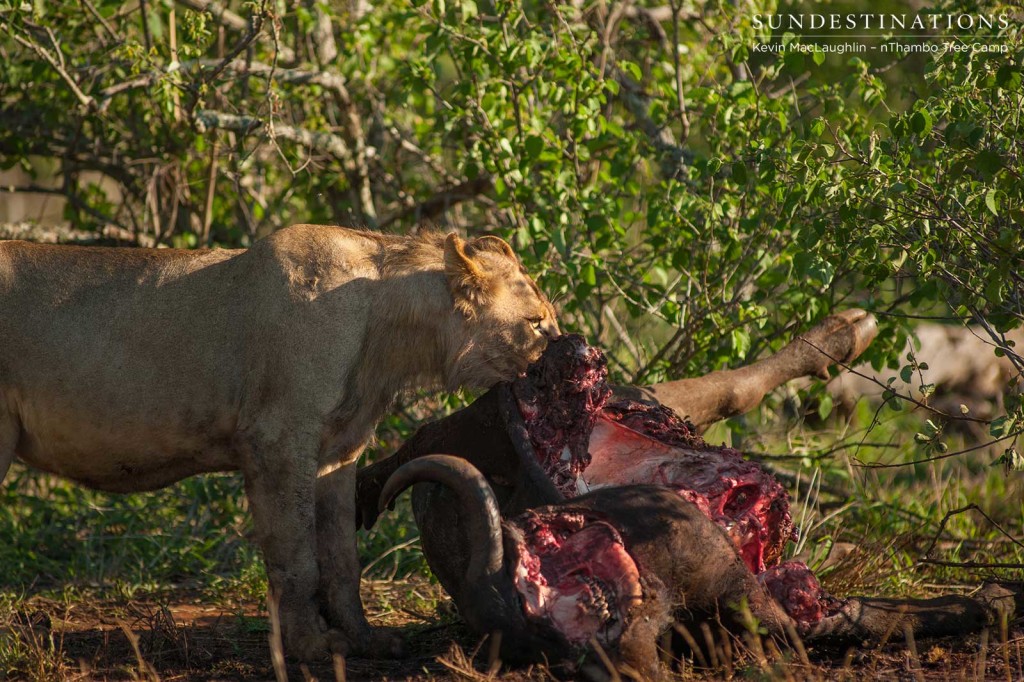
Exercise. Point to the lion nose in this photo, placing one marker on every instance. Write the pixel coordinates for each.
(551, 330)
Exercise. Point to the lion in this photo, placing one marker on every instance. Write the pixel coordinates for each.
(129, 369)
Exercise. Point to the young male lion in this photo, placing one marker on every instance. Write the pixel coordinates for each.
(130, 369)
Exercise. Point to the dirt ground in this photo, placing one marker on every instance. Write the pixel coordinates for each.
(185, 638)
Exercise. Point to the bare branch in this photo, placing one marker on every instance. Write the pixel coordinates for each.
(442, 201)
(229, 19)
(85, 99)
(247, 125)
(325, 79)
(935, 458)
(254, 30)
(971, 564)
(103, 22)
(357, 162)
(659, 14)
(684, 117)
(624, 336)
(955, 512)
(999, 340)
(661, 138)
(322, 34)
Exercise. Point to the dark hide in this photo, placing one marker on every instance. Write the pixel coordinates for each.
(531, 438)
(687, 572)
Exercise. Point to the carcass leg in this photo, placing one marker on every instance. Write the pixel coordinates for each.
(719, 395)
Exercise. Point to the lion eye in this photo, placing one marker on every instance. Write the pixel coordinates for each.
(535, 322)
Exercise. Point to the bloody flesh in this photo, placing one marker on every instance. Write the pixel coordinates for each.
(797, 589)
(560, 399)
(583, 442)
(575, 573)
(737, 494)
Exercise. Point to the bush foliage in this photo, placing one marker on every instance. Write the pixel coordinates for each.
(674, 190)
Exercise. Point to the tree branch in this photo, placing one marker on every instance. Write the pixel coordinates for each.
(325, 79)
(85, 99)
(357, 162)
(229, 19)
(206, 119)
(73, 198)
(250, 35)
(103, 22)
(661, 138)
(442, 201)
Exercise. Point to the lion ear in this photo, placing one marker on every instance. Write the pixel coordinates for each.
(466, 278)
(495, 244)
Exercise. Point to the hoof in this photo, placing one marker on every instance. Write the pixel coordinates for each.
(842, 337)
(1004, 600)
(863, 328)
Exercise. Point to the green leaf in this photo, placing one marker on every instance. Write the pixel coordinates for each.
(1001, 426)
(739, 88)
(740, 343)
(533, 145)
(588, 274)
(793, 60)
(825, 406)
(739, 173)
(992, 202)
(1011, 461)
(988, 162)
(1008, 77)
(921, 122)
(632, 69)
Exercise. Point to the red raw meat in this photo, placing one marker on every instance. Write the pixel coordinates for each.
(584, 443)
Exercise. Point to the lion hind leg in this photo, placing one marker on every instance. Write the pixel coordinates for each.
(9, 431)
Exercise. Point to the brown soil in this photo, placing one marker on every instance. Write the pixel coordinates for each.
(183, 638)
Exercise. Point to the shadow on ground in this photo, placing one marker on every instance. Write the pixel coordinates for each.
(188, 638)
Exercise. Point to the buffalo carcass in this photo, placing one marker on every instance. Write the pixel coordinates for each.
(552, 433)
(492, 433)
(611, 571)
(533, 439)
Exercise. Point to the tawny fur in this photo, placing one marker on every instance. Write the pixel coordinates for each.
(130, 369)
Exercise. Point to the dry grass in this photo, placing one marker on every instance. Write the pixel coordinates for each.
(188, 638)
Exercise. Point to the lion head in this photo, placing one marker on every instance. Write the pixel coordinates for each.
(506, 319)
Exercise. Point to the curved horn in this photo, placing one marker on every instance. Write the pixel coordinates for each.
(479, 506)
(534, 488)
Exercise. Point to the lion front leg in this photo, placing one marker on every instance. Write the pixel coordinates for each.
(280, 477)
(338, 558)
